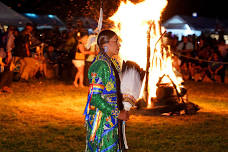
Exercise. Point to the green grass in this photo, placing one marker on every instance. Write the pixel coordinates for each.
(47, 117)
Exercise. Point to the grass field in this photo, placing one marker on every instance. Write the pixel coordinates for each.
(47, 117)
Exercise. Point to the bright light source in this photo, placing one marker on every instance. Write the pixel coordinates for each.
(78, 34)
(51, 16)
(31, 15)
(194, 14)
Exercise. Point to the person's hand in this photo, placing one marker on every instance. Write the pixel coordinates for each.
(123, 115)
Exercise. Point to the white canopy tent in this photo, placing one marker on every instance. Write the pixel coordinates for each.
(10, 17)
(180, 25)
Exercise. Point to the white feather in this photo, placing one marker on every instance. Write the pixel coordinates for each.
(92, 40)
(131, 83)
(100, 20)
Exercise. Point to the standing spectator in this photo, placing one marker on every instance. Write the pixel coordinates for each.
(22, 43)
(79, 61)
(6, 74)
(223, 49)
(185, 48)
(2, 43)
(65, 65)
(10, 42)
(56, 39)
(174, 43)
(91, 46)
(70, 43)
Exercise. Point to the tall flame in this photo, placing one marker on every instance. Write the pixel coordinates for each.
(132, 22)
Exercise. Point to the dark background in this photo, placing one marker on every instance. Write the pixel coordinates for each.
(205, 8)
(66, 9)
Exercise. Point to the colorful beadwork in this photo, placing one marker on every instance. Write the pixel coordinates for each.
(101, 110)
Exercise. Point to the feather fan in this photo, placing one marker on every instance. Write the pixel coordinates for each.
(130, 87)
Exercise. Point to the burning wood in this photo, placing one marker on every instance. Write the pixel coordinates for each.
(169, 100)
(138, 26)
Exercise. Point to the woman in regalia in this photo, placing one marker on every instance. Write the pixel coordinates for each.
(103, 109)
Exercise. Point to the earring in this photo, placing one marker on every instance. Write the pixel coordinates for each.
(105, 49)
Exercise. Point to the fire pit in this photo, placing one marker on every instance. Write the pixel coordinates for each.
(142, 41)
(167, 101)
(188, 108)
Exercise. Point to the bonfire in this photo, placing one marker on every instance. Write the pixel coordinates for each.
(139, 28)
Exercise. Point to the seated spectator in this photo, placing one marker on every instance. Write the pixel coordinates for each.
(39, 57)
(66, 54)
(51, 66)
(215, 67)
(34, 65)
(203, 53)
(185, 71)
(176, 63)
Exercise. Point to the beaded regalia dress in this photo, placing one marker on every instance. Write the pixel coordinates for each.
(102, 110)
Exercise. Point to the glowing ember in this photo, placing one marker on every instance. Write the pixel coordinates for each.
(132, 22)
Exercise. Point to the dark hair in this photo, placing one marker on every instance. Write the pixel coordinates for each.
(104, 37)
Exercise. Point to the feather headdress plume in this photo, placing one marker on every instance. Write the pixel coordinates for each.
(93, 37)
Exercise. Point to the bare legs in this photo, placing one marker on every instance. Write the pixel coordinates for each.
(79, 77)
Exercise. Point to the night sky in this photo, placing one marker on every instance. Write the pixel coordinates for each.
(205, 8)
(64, 8)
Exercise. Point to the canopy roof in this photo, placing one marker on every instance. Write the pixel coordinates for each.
(10, 17)
(196, 23)
(45, 21)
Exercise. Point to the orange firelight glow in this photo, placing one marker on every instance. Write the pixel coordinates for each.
(132, 22)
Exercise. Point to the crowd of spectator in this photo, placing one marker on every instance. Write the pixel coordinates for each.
(63, 55)
(200, 57)
(35, 54)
